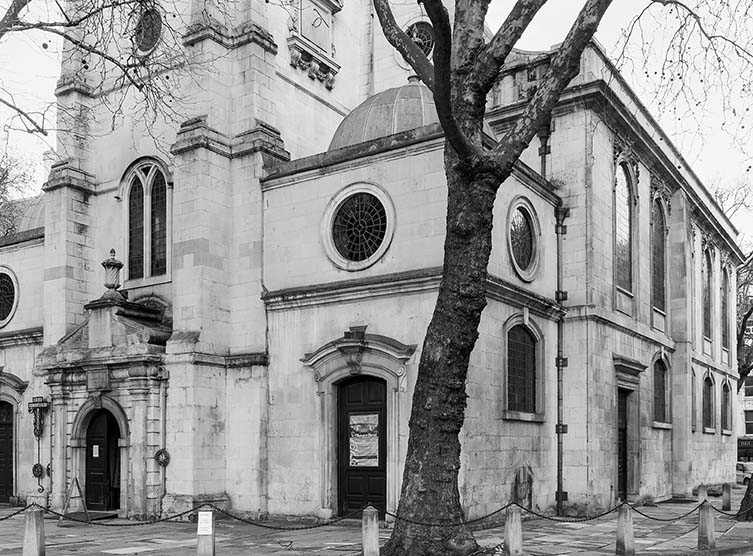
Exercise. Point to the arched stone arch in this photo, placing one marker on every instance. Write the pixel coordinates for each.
(86, 411)
(524, 320)
(357, 353)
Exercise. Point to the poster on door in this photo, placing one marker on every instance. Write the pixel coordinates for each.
(95, 451)
(364, 440)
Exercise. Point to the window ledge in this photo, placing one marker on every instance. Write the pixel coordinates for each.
(692, 429)
(522, 416)
(727, 432)
(661, 425)
(709, 430)
(150, 281)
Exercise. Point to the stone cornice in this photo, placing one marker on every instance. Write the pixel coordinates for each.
(234, 361)
(64, 174)
(22, 237)
(197, 134)
(22, 337)
(507, 292)
(73, 84)
(246, 33)
(591, 313)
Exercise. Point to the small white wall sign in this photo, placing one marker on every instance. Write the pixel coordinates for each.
(95, 451)
(205, 524)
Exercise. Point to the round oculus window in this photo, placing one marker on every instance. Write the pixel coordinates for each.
(359, 227)
(422, 33)
(148, 31)
(7, 297)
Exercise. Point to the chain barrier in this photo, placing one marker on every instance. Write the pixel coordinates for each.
(131, 524)
(280, 528)
(736, 514)
(636, 510)
(446, 524)
(14, 514)
(569, 519)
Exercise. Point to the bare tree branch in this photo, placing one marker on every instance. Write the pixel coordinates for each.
(37, 127)
(400, 40)
(495, 53)
(11, 15)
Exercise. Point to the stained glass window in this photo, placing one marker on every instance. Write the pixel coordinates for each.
(660, 392)
(159, 225)
(521, 238)
(521, 370)
(708, 402)
(136, 230)
(658, 258)
(7, 296)
(623, 213)
(706, 284)
(359, 227)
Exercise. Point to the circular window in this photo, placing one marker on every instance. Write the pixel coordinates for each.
(148, 31)
(358, 226)
(523, 234)
(8, 296)
(422, 33)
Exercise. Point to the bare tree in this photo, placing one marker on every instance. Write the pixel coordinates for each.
(15, 176)
(463, 69)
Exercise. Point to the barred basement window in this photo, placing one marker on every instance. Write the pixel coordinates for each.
(521, 370)
(8, 296)
(422, 33)
(658, 258)
(660, 392)
(147, 203)
(623, 240)
(359, 227)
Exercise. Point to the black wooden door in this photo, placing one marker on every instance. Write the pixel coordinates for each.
(622, 444)
(362, 444)
(6, 452)
(102, 462)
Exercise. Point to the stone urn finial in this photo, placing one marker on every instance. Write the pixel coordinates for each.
(112, 271)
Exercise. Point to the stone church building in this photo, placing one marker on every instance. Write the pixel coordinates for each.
(254, 336)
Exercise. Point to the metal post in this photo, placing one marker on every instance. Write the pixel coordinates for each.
(370, 531)
(205, 534)
(513, 533)
(625, 538)
(34, 532)
(706, 537)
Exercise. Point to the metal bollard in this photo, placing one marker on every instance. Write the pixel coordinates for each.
(370, 531)
(702, 493)
(706, 538)
(34, 532)
(726, 497)
(513, 533)
(205, 534)
(625, 538)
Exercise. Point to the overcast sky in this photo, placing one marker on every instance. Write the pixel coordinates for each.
(30, 70)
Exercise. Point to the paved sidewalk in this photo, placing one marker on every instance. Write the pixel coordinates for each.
(540, 537)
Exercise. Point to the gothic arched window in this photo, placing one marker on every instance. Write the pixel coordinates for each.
(725, 309)
(660, 392)
(147, 221)
(726, 413)
(521, 370)
(706, 285)
(623, 229)
(658, 258)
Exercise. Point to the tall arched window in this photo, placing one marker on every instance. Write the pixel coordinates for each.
(694, 402)
(623, 229)
(708, 403)
(521, 370)
(147, 193)
(658, 258)
(726, 413)
(706, 274)
(725, 309)
(660, 392)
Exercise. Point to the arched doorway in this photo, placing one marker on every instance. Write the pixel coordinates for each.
(362, 443)
(102, 462)
(6, 452)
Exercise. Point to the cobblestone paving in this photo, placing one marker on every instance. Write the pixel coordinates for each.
(540, 537)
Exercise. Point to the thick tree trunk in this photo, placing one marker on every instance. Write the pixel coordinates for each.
(430, 482)
(746, 504)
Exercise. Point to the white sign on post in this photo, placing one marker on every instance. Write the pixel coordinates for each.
(95, 451)
(205, 524)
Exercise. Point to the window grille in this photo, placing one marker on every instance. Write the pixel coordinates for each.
(623, 230)
(422, 33)
(521, 370)
(658, 263)
(359, 227)
(521, 238)
(7, 296)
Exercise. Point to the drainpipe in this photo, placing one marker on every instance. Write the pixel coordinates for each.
(164, 376)
(560, 428)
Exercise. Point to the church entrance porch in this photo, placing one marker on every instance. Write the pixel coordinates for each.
(362, 443)
(102, 462)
